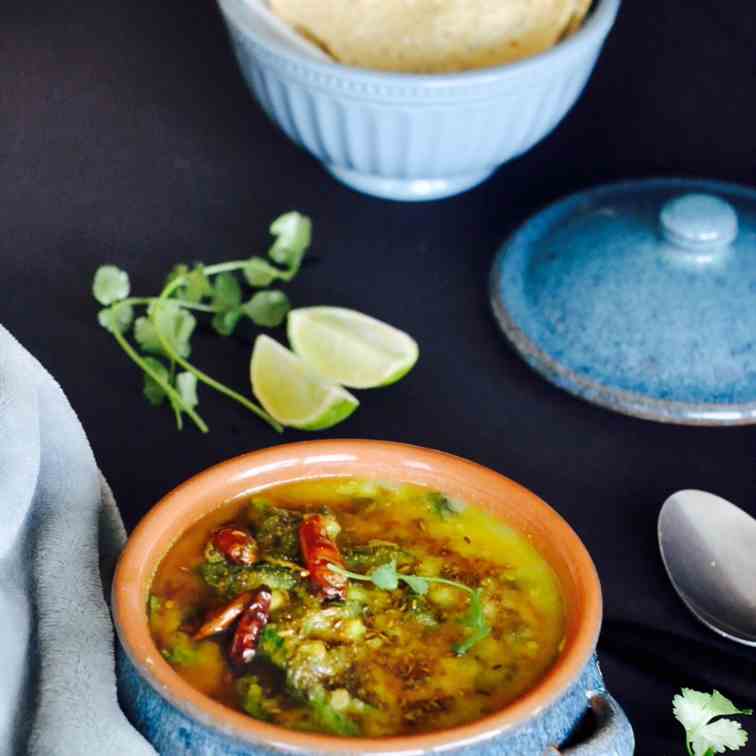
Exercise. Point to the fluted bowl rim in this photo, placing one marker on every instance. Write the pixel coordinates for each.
(587, 39)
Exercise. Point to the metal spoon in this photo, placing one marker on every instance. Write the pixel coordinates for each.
(709, 549)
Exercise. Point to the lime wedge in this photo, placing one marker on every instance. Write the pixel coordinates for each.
(350, 348)
(292, 392)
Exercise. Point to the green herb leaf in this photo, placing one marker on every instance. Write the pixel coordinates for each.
(197, 286)
(418, 584)
(474, 619)
(386, 576)
(158, 377)
(111, 284)
(153, 391)
(225, 322)
(117, 317)
(227, 294)
(695, 712)
(293, 232)
(260, 273)
(267, 308)
(186, 384)
(175, 324)
(227, 297)
(178, 271)
(146, 336)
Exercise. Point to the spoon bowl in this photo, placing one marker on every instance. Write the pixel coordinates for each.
(708, 547)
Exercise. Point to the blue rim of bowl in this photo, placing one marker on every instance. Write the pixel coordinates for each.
(618, 400)
(597, 25)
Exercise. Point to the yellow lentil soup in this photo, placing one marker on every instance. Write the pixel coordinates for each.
(353, 608)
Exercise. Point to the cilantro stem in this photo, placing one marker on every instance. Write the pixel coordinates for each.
(452, 583)
(180, 302)
(176, 410)
(369, 579)
(195, 306)
(169, 390)
(347, 573)
(226, 267)
(166, 332)
(234, 265)
(206, 379)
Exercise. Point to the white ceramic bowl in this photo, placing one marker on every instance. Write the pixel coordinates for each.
(407, 136)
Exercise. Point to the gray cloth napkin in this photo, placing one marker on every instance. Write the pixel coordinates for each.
(60, 534)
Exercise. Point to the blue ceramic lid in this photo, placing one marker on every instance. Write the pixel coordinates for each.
(640, 297)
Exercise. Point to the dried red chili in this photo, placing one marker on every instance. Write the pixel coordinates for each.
(252, 623)
(221, 619)
(319, 551)
(236, 545)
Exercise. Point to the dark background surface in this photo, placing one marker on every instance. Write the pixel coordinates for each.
(127, 136)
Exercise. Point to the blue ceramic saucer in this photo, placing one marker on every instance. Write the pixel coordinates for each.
(639, 297)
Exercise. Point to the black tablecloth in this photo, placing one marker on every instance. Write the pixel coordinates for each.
(127, 135)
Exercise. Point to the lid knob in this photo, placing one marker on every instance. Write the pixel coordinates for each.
(699, 222)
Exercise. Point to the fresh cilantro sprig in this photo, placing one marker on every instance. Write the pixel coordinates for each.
(162, 335)
(387, 578)
(704, 737)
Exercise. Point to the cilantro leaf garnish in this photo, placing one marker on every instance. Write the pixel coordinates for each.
(153, 390)
(110, 285)
(186, 383)
(704, 737)
(418, 584)
(159, 341)
(117, 317)
(260, 273)
(225, 322)
(267, 308)
(227, 292)
(293, 232)
(146, 336)
(196, 286)
(387, 578)
(172, 327)
(158, 382)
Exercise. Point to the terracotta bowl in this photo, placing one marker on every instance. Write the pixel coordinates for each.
(178, 719)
